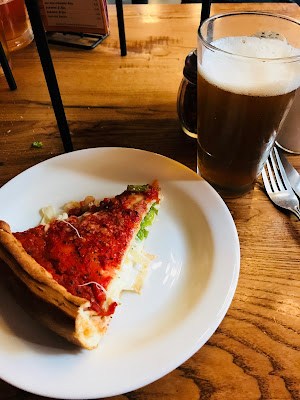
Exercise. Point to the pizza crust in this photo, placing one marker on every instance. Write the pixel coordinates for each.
(76, 322)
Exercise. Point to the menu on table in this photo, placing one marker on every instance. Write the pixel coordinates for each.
(88, 16)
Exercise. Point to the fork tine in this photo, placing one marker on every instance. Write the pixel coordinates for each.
(266, 180)
(271, 176)
(275, 169)
(281, 169)
(281, 196)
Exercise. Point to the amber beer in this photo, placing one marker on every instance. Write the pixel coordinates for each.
(236, 132)
(241, 103)
(16, 24)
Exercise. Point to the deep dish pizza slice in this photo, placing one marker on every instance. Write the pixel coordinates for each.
(72, 271)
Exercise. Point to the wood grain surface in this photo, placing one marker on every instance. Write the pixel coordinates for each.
(131, 102)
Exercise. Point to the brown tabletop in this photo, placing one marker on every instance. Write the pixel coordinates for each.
(131, 102)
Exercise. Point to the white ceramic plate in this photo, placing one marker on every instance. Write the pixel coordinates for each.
(185, 297)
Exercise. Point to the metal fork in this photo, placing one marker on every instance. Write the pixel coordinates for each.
(277, 184)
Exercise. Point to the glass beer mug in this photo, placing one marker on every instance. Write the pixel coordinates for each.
(16, 24)
(248, 74)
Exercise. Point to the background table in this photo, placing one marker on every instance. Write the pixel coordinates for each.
(131, 102)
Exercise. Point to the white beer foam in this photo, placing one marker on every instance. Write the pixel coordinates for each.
(254, 75)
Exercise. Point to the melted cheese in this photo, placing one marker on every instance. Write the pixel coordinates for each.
(132, 273)
(49, 214)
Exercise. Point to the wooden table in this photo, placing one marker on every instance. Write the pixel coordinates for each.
(131, 102)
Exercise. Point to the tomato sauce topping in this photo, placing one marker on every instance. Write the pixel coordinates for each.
(84, 252)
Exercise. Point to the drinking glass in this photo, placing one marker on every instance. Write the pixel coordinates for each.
(17, 27)
(248, 71)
